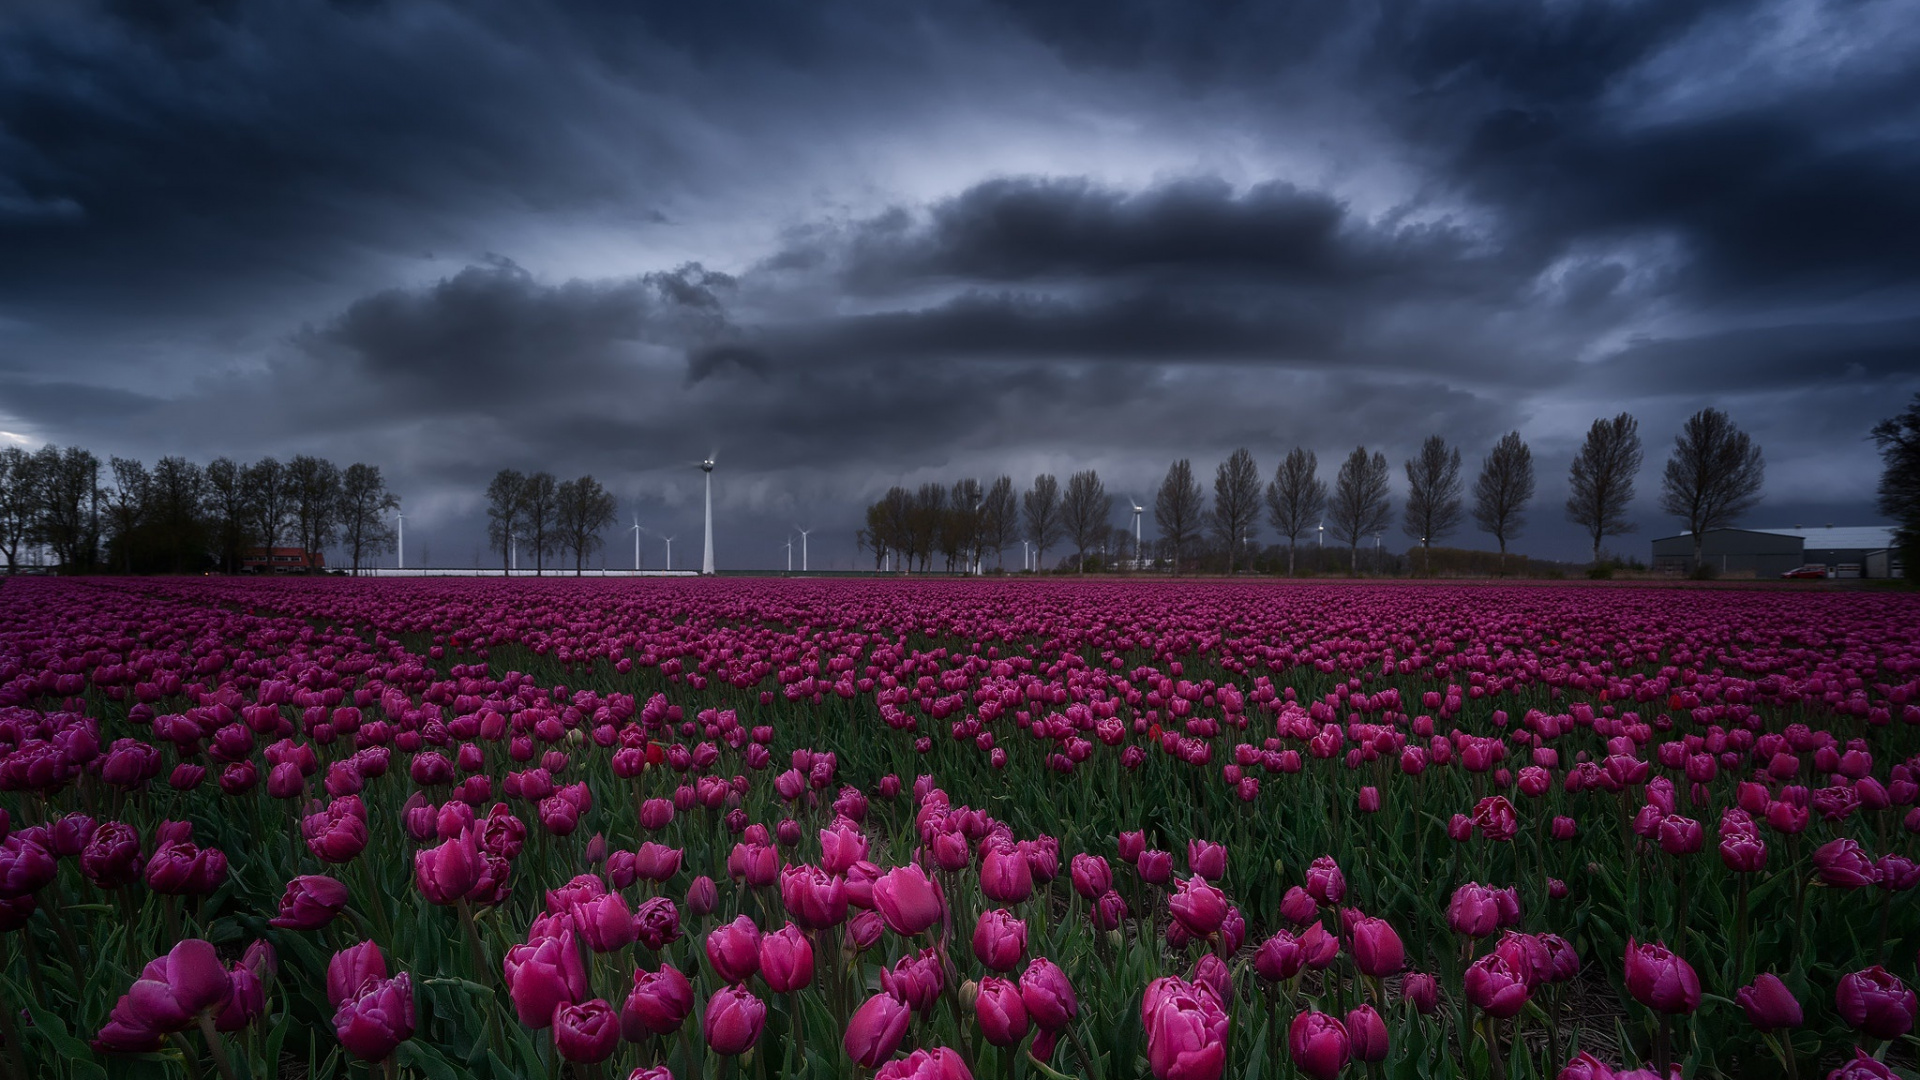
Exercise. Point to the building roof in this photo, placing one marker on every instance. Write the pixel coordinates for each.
(1848, 537)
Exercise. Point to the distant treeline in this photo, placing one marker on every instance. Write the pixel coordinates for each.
(181, 517)
(1712, 479)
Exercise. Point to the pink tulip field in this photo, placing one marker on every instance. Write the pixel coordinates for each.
(315, 828)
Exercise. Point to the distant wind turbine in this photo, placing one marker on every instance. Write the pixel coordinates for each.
(636, 541)
(669, 541)
(803, 548)
(789, 554)
(1137, 511)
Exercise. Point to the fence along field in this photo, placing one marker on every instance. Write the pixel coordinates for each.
(919, 829)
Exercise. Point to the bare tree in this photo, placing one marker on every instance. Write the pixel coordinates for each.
(1236, 503)
(366, 513)
(1000, 518)
(227, 509)
(313, 487)
(1086, 513)
(1296, 498)
(1501, 494)
(1601, 480)
(68, 509)
(583, 510)
(539, 507)
(1040, 506)
(126, 503)
(1178, 507)
(929, 510)
(178, 522)
(1713, 476)
(960, 527)
(1359, 507)
(1898, 439)
(265, 484)
(506, 503)
(19, 500)
(1433, 495)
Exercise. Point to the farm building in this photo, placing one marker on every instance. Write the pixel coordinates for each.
(1850, 551)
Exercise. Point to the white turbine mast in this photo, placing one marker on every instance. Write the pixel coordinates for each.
(1137, 511)
(636, 542)
(789, 546)
(803, 548)
(669, 541)
(706, 559)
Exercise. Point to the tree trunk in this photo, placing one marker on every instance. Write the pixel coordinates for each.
(1289, 556)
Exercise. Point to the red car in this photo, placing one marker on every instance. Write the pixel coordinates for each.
(1811, 570)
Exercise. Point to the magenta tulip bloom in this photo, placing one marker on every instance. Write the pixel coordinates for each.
(1366, 1034)
(176, 988)
(658, 1004)
(377, 1018)
(1660, 980)
(605, 922)
(1199, 907)
(585, 1033)
(786, 960)
(1207, 859)
(1319, 1044)
(1006, 876)
(1422, 991)
(1844, 865)
(1325, 883)
(1155, 867)
(939, 1063)
(1377, 950)
(734, 950)
(1474, 910)
(1279, 958)
(875, 1030)
(543, 974)
(999, 939)
(310, 902)
(1769, 1004)
(733, 1020)
(1186, 1031)
(1495, 988)
(1001, 1012)
(447, 873)
(1876, 1002)
(815, 899)
(1048, 994)
(1298, 908)
(908, 899)
(112, 857)
(351, 968)
(1862, 1067)
(1091, 876)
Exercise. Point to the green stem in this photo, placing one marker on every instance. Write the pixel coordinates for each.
(215, 1047)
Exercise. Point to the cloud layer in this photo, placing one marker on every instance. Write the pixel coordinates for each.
(856, 244)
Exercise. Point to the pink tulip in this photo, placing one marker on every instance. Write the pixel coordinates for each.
(1660, 980)
(1367, 1034)
(786, 959)
(1325, 883)
(585, 1033)
(373, 1022)
(352, 968)
(542, 975)
(1769, 1004)
(1319, 1044)
(908, 899)
(1001, 1012)
(999, 939)
(658, 1004)
(1186, 1031)
(1048, 995)
(1377, 950)
(875, 1030)
(310, 902)
(1876, 1002)
(734, 950)
(1091, 876)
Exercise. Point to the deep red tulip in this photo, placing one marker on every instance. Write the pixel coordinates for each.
(1198, 906)
(1843, 864)
(1862, 1067)
(656, 923)
(25, 866)
(1422, 991)
(1494, 987)
(112, 858)
(733, 1020)
(1091, 876)
(1377, 950)
(1155, 867)
(939, 1063)
(447, 873)
(1006, 875)
(815, 899)
(352, 968)
(1207, 859)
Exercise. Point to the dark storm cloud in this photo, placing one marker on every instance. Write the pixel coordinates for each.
(778, 233)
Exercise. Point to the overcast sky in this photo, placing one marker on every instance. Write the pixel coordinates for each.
(844, 244)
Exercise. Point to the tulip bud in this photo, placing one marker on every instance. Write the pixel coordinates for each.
(658, 1004)
(1319, 1044)
(1660, 980)
(1769, 1004)
(875, 1030)
(1001, 1012)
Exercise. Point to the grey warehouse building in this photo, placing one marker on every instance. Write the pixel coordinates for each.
(1865, 551)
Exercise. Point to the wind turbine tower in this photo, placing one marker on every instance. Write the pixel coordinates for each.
(1137, 511)
(636, 541)
(803, 548)
(669, 541)
(706, 559)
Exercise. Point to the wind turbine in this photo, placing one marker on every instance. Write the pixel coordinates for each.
(706, 560)
(803, 548)
(636, 542)
(400, 545)
(669, 541)
(789, 554)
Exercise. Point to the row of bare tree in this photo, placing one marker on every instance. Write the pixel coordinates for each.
(181, 517)
(542, 516)
(1712, 478)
